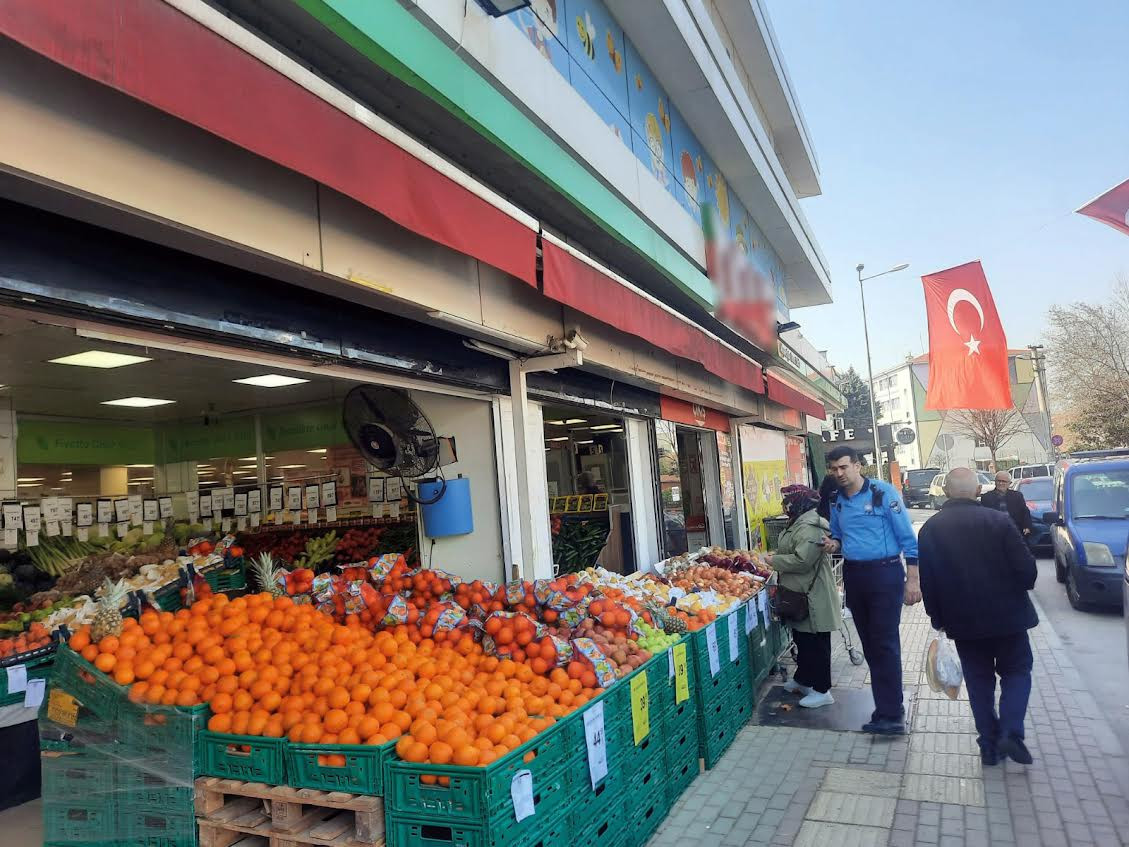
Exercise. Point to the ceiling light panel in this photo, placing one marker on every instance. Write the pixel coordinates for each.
(270, 381)
(99, 359)
(137, 402)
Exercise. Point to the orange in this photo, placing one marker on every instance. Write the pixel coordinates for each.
(467, 755)
(108, 644)
(220, 723)
(440, 753)
(222, 703)
(335, 720)
(105, 661)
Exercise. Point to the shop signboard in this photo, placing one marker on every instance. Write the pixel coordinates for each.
(83, 443)
(303, 429)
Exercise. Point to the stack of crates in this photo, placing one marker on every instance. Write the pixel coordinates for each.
(724, 690)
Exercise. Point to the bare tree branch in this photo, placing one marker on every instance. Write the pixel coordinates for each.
(991, 427)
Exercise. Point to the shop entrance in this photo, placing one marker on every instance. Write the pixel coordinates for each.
(587, 473)
(682, 484)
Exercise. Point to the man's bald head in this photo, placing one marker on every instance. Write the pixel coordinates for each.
(962, 484)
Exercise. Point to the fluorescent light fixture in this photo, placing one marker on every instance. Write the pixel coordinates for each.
(606, 426)
(28, 485)
(489, 349)
(142, 479)
(139, 466)
(271, 381)
(289, 467)
(576, 420)
(319, 450)
(249, 459)
(99, 359)
(555, 423)
(208, 482)
(137, 402)
(30, 479)
(561, 438)
(589, 441)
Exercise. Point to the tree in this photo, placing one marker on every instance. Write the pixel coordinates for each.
(991, 428)
(857, 394)
(1088, 352)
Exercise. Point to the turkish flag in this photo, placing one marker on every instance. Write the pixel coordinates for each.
(1111, 208)
(967, 348)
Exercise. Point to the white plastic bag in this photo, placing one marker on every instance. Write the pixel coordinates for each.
(942, 666)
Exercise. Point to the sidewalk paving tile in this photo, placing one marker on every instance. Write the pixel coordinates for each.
(837, 807)
(943, 789)
(852, 780)
(822, 834)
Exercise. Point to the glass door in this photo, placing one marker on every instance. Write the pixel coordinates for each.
(682, 488)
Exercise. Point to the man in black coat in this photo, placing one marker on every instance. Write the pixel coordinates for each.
(1011, 503)
(975, 574)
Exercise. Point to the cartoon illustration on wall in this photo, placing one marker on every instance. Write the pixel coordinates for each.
(689, 176)
(655, 142)
(614, 54)
(587, 34)
(721, 191)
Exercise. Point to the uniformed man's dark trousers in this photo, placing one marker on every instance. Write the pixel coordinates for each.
(982, 659)
(875, 592)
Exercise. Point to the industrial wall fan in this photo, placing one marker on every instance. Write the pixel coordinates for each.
(394, 435)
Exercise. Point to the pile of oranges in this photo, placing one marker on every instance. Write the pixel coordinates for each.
(267, 666)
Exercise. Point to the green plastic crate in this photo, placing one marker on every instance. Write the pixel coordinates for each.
(681, 716)
(79, 777)
(715, 737)
(99, 697)
(165, 732)
(250, 758)
(362, 773)
(607, 828)
(228, 579)
(680, 776)
(649, 748)
(37, 668)
(76, 823)
(534, 831)
(480, 794)
(157, 828)
(617, 722)
(645, 814)
(141, 788)
(680, 745)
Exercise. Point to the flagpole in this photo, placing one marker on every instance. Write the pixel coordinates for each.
(869, 368)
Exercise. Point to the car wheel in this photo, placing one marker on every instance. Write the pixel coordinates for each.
(1060, 571)
(1072, 594)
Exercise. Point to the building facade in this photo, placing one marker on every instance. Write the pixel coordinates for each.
(263, 206)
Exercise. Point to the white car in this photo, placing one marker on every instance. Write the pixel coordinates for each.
(937, 496)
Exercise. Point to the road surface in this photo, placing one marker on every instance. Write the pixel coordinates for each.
(1096, 640)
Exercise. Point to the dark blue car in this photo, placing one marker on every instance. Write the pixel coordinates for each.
(1038, 492)
(1089, 529)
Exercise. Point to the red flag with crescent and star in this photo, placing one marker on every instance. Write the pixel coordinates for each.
(967, 348)
(1111, 208)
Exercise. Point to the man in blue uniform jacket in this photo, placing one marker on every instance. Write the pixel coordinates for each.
(976, 571)
(870, 526)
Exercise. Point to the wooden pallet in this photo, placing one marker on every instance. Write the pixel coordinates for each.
(228, 810)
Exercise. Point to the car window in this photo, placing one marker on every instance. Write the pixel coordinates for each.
(1039, 470)
(984, 478)
(921, 477)
(1036, 489)
(938, 480)
(1100, 494)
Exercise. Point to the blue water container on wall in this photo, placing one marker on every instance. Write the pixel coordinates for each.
(451, 513)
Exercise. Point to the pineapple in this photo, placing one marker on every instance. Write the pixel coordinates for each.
(108, 620)
(267, 574)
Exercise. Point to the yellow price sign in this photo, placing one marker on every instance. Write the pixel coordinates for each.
(681, 678)
(640, 707)
(62, 708)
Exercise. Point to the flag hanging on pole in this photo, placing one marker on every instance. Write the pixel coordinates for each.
(1111, 208)
(967, 349)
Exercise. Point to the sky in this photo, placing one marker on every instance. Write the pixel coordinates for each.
(951, 132)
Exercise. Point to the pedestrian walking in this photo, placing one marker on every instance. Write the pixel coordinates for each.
(871, 527)
(803, 565)
(1011, 503)
(975, 574)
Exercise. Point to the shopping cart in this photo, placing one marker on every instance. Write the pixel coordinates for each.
(853, 653)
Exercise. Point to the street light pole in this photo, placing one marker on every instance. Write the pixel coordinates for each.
(1038, 360)
(869, 368)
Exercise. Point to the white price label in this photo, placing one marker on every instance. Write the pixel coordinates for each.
(751, 615)
(294, 499)
(50, 508)
(329, 493)
(254, 500)
(33, 519)
(376, 489)
(11, 539)
(392, 489)
(123, 529)
(521, 792)
(33, 695)
(274, 498)
(52, 529)
(240, 504)
(670, 664)
(31, 537)
(17, 679)
(136, 513)
(330, 514)
(192, 500)
(241, 523)
(378, 510)
(106, 511)
(312, 516)
(734, 644)
(762, 602)
(255, 516)
(225, 524)
(229, 498)
(13, 516)
(150, 510)
(711, 648)
(165, 504)
(84, 514)
(394, 509)
(147, 527)
(205, 505)
(68, 529)
(83, 533)
(103, 530)
(597, 742)
(313, 496)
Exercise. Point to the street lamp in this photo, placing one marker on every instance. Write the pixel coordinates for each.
(869, 369)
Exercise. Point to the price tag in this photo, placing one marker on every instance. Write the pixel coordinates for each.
(147, 527)
(521, 792)
(294, 499)
(751, 615)
(68, 529)
(52, 529)
(734, 644)
(165, 504)
(274, 498)
(13, 516)
(255, 516)
(229, 498)
(84, 514)
(31, 537)
(255, 501)
(11, 539)
(313, 496)
(205, 505)
(150, 510)
(597, 742)
(225, 524)
(392, 489)
(240, 504)
(640, 707)
(394, 510)
(103, 530)
(281, 516)
(136, 508)
(376, 489)
(105, 511)
(83, 533)
(33, 696)
(711, 648)
(49, 507)
(330, 514)
(670, 664)
(762, 602)
(378, 510)
(33, 519)
(312, 516)
(329, 493)
(240, 523)
(62, 708)
(681, 676)
(17, 679)
(192, 498)
(123, 529)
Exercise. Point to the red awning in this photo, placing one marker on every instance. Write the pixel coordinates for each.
(577, 284)
(154, 53)
(781, 392)
(692, 414)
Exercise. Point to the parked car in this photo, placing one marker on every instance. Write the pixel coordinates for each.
(937, 496)
(986, 483)
(1090, 528)
(1038, 492)
(915, 486)
(1032, 471)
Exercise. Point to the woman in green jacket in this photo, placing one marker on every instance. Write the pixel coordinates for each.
(802, 565)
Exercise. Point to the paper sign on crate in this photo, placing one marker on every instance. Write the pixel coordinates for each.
(640, 707)
(597, 743)
(681, 678)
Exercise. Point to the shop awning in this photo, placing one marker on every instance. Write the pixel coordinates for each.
(581, 285)
(781, 392)
(154, 53)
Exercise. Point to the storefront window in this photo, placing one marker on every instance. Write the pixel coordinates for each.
(728, 489)
(589, 498)
(682, 488)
